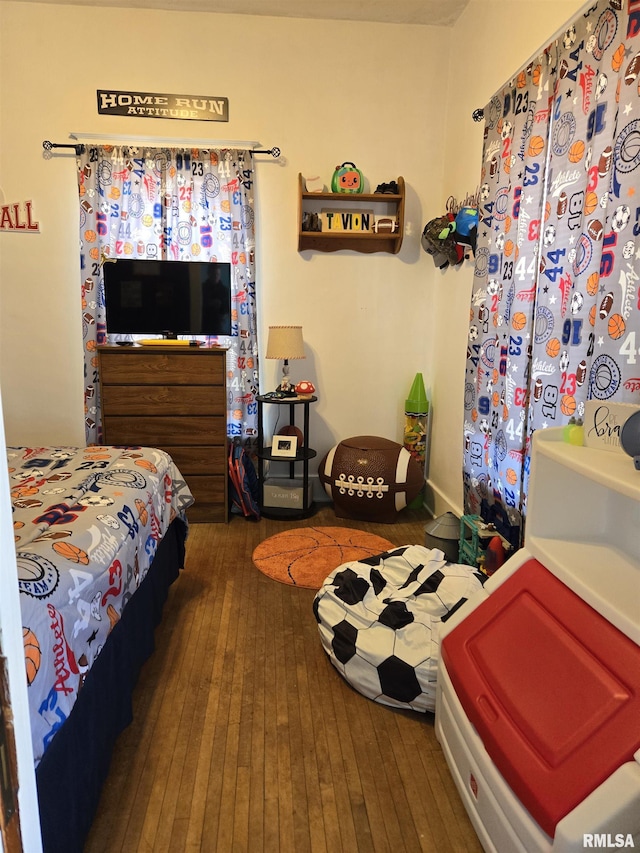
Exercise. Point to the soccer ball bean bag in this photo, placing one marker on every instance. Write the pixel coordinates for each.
(379, 621)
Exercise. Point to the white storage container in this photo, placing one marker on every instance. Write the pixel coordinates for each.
(583, 527)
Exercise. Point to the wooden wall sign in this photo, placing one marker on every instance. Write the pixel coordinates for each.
(17, 217)
(155, 105)
(603, 422)
(347, 220)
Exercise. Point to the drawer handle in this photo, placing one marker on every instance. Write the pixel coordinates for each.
(487, 709)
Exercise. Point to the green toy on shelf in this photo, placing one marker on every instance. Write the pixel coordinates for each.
(573, 432)
(347, 179)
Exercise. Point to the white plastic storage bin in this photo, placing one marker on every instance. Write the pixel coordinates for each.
(583, 527)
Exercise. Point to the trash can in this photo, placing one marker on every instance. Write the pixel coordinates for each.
(444, 533)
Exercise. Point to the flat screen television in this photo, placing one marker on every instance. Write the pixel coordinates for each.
(168, 298)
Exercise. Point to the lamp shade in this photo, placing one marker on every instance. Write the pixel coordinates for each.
(285, 342)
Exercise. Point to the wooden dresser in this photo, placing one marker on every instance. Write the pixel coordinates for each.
(173, 398)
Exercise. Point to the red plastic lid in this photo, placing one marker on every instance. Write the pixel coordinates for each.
(551, 687)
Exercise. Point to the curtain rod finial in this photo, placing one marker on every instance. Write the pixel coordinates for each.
(49, 146)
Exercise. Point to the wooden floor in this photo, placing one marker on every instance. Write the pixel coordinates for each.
(246, 739)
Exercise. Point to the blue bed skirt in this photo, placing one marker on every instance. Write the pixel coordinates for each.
(72, 771)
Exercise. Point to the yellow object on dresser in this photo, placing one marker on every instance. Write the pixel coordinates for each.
(168, 342)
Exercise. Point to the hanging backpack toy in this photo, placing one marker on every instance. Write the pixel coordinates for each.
(347, 179)
(448, 238)
(438, 242)
(466, 227)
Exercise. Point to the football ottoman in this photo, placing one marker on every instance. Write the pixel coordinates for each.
(379, 620)
(370, 478)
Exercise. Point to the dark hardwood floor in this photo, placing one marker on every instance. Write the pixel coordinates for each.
(246, 740)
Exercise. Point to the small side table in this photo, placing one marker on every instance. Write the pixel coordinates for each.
(303, 455)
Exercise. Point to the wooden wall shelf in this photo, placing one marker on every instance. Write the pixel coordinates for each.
(367, 242)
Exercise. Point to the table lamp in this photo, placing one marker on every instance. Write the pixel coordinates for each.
(285, 342)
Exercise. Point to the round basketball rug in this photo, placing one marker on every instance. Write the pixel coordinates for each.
(305, 556)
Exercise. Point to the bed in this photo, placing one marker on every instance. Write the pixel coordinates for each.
(99, 535)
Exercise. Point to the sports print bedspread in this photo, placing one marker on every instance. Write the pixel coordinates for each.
(87, 523)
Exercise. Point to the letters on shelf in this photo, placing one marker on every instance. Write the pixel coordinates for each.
(347, 220)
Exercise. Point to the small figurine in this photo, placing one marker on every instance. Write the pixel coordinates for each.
(305, 389)
(285, 388)
(573, 432)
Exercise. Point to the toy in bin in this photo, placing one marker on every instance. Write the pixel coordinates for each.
(416, 413)
(481, 545)
(573, 432)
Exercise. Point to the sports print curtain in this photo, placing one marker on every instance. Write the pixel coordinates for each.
(555, 316)
(173, 204)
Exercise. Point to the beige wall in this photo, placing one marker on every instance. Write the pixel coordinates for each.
(324, 93)
(396, 100)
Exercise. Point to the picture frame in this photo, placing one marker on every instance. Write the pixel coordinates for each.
(284, 445)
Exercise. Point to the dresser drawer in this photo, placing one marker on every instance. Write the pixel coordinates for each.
(164, 430)
(163, 399)
(211, 459)
(210, 495)
(141, 367)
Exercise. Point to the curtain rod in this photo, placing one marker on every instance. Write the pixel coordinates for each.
(478, 115)
(200, 143)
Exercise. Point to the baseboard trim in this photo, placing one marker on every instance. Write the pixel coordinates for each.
(437, 503)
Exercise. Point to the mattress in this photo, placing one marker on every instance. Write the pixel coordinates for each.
(87, 524)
